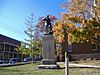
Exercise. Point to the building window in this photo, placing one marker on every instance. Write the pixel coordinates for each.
(11, 48)
(94, 47)
(6, 47)
(69, 48)
(1, 47)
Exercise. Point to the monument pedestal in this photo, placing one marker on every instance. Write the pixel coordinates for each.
(48, 52)
(55, 66)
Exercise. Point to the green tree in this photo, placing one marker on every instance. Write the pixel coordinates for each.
(29, 33)
(22, 50)
(33, 41)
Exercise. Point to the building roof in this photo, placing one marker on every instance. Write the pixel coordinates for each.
(7, 39)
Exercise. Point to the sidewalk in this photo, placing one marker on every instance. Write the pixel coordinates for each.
(83, 66)
(14, 64)
(78, 65)
(62, 64)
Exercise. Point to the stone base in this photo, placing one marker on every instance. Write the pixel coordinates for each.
(48, 66)
(48, 62)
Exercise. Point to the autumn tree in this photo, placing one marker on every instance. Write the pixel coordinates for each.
(81, 23)
(85, 15)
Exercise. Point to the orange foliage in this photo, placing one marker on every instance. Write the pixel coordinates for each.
(60, 38)
(62, 27)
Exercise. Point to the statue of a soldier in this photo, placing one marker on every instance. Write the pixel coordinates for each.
(48, 26)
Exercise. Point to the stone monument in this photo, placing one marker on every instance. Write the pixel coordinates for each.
(48, 51)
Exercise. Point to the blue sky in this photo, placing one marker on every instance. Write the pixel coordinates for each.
(14, 12)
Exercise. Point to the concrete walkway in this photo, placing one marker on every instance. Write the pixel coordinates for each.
(59, 63)
(78, 65)
(83, 66)
(14, 64)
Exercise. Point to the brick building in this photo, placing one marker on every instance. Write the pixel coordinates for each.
(79, 51)
(86, 50)
(7, 47)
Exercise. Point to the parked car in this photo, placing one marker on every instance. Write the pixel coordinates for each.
(27, 59)
(38, 58)
(3, 61)
(14, 60)
(6, 61)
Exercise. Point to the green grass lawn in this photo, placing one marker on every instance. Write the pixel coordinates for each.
(28, 69)
(32, 69)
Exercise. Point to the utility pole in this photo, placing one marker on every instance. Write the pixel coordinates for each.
(66, 53)
(66, 63)
(66, 56)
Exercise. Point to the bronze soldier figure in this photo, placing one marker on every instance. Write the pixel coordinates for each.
(48, 26)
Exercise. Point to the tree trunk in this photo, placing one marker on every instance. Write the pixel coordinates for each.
(63, 49)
